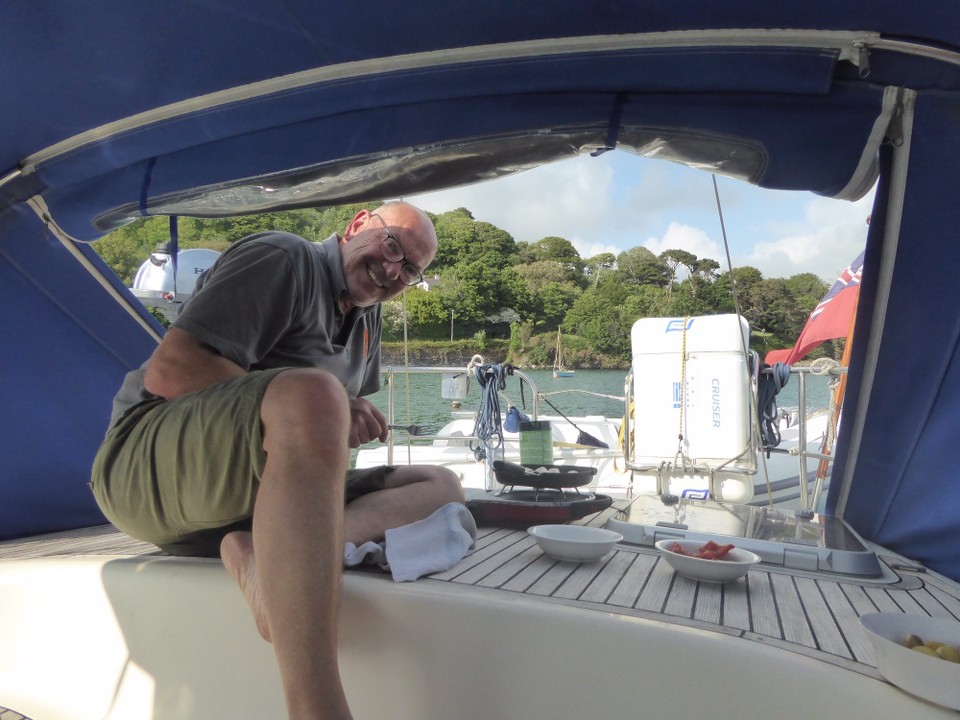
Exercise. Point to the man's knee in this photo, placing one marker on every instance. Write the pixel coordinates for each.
(447, 484)
(305, 406)
(308, 391)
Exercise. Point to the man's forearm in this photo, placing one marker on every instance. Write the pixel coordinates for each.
(182, 364)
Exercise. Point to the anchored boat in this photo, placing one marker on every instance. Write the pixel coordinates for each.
(559, 370)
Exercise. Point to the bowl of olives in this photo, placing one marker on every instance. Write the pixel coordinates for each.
(917, 653)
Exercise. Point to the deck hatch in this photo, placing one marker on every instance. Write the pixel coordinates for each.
(822, 543)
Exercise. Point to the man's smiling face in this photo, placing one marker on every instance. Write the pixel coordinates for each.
(370, 276)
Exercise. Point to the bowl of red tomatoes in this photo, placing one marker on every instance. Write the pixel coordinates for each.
(707, 561)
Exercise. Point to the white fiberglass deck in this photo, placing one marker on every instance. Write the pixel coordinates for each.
(623, 634)
(813, 614)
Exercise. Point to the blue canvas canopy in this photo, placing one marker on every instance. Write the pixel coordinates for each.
(114, 110)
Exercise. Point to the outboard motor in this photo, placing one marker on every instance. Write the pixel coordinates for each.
(158, 284)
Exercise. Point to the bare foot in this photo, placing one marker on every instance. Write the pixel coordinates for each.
(236, 549)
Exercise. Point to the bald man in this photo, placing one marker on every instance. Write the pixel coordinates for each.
(234, 437)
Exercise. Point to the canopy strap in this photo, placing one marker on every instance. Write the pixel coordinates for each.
(613, 128)
(174, 249)
(145, 186)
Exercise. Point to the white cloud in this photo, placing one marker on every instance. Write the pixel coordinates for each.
(592, 249)
(691, 239)
(618, 201)
(562, 199)
(833, 234)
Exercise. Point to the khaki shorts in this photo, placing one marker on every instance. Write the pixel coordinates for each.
(182, 474)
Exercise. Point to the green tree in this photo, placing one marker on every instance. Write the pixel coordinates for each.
(676, 259)
(601, 317)
(552, 302)
(426, 313)
(487, 280)
(595, 266)
(640, 266)
(703, 272)
(484, 292)
(123, 252)
(561, 251)
(541, 272)
(493, 246)
(776, 311)
(525, 254)
(452, 290)
(456, 233)
(647, 301)
(808, 289)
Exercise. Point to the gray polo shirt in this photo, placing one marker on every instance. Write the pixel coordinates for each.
(273, 300)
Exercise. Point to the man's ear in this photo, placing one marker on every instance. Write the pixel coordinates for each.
(355, 225)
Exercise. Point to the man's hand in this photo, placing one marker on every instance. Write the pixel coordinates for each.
(366, 422)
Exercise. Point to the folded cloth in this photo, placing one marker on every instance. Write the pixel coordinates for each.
(434, 544)
(370, 553)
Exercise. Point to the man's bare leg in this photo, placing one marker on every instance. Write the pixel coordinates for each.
(421, 490)
(290, 569)
(236, 550)
(412, 493)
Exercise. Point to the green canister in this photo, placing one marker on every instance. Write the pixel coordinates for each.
(536, 443)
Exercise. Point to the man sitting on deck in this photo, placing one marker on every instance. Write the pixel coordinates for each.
(234, 437)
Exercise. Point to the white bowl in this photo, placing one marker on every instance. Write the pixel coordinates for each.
(927, 677)
(734, 565)
(575, 543)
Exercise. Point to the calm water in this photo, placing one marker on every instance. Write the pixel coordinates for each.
(417, 398)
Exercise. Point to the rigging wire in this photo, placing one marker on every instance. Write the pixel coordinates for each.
(757, 430)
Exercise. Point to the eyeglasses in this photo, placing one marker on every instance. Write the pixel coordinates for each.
(392, 251)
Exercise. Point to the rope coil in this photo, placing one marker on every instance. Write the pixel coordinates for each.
(769, 384)
(488, 426)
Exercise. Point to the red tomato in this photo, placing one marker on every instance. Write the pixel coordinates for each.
(713, 551)
(708, 551)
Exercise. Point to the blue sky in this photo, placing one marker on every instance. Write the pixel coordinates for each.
(617, 201)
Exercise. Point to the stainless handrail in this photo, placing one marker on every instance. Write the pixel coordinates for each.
(392, 371)
(807, 503)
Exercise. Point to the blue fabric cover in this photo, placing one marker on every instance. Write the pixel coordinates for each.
(69, 68)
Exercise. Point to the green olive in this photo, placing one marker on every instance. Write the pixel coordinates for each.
(948, 652)
(912, 641)
(925, 650)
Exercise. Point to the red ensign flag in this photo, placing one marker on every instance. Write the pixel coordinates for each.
(830, 319)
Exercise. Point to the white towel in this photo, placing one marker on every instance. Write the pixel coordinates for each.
(434, 544)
